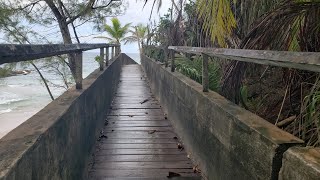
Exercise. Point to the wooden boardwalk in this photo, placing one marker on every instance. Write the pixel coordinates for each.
(138, 141)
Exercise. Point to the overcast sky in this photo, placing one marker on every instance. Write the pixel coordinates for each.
(134, 14)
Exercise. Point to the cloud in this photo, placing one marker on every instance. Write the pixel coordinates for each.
(135, 14)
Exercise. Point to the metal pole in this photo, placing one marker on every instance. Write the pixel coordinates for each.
(78, 70)
(107, 56)
(101, 58)
(205, 73)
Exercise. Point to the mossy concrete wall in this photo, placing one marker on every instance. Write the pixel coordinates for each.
(301, 163)
(226, 141)
(57, 141)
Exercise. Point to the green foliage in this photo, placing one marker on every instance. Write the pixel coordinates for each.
(193, 69)
(98, 59)
(154, 53)
(138, 34)
(219, 20)
(116, 31)
(4, 72)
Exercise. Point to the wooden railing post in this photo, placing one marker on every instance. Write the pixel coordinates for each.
(172, 55)
(78, 70)
(112, 52)
(101, 59)
(107, 56)
(166, 56)
(205, 73)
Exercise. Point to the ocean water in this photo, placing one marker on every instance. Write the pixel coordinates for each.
(22, 96)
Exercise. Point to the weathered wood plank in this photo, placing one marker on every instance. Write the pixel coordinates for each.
(150, 173)
(162, 123)
(138, 140)
(141, 141)
(16, 52)
(137, 146)
(298, 60)
(139, 128)
(108, 152)
(143, 165)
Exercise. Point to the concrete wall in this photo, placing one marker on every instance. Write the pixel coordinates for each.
(301, 163)
(227, 141)
(57, 141)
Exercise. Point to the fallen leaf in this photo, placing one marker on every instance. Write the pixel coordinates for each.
(144, 101)
(180, 146)
(102, 136)
(173, 174)
(152, 131)
(196, 169)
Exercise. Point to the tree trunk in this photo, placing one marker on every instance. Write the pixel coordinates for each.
(65, 32)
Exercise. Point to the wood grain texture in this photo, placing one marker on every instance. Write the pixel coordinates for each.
(138, 141)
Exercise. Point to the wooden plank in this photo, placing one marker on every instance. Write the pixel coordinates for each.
(138, 128)
(136, 111)
(141, 141)
(129, 135)
(162, 123)
(150, 173)
(137, 146)
(107, 152)
(140, 158)
(143, 165)
(135, 118)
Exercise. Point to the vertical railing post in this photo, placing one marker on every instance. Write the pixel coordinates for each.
(112, 52)
(118, 50)
(78, 70)
(205, 73)
(107, 56)
(172, 55)
(166, 56)
(101, 63)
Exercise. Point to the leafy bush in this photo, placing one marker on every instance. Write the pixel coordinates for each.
(154, 52)
(193, 69)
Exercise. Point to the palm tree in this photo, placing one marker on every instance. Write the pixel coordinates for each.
(116, 32)
(139, 34)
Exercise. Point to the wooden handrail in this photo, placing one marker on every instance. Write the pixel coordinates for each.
(10, 53)
(14, 53)
(309, 61)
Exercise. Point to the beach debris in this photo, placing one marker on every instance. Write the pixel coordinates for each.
(173, 174)
(152, 131)
(180, 146)
(144, 101)
(196, 169)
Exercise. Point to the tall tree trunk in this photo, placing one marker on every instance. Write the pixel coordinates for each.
(65, 32)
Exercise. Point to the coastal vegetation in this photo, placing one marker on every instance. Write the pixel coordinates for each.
(116, 32)
(288, 98)
(21, 20)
